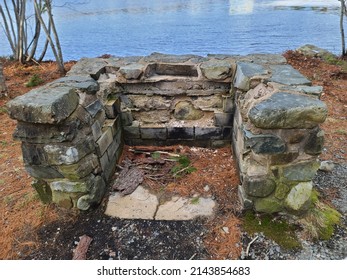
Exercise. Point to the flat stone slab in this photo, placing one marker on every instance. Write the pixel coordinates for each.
(141, 204)
(179, 208)
(44, 105)
(245, 71)
(287, 75)
(286, 110)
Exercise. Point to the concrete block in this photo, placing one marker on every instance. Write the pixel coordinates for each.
(180, 132)
(132, 132)
(214, 133)
(158, 133)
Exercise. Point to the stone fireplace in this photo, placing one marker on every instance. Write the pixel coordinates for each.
(73, 129)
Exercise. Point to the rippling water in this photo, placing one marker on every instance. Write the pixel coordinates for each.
(137, 27)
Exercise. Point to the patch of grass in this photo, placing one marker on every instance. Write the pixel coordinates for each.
(278, 230)
(34, 81)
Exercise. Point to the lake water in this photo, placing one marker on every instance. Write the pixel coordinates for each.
(137, 27)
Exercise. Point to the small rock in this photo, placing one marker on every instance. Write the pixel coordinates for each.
(226, 229)
(206, 188)
(327, 166)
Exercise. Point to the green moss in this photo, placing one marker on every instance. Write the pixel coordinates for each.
(277, 230)
(195, 200)
(319, 222)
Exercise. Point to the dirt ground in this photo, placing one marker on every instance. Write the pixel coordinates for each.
(31, 230)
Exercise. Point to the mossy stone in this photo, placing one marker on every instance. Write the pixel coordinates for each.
(281, 191)
(268, 205)
(43, 190)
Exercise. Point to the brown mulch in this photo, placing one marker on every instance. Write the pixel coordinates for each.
(22, 215)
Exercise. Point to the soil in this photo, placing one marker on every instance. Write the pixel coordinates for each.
(31, 230)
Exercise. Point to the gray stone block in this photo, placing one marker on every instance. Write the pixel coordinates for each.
(216, 69)
(299, 198)
(80, 169)
(95, 195)
(45, 133)
(94, 108)
(69, 154)
(245, 201)
(287, 75)
(132, 132)
(116, 143)
(315, 142)
(114, 124)
(286, 110)
(180, 132)
(44, 191)
(112, 108)
(157, 133)
(104, 141)
(96, 130)
(43, 172)
(34, 154)
(208, 133)
(302, 172)
(258, 186)
(44, 105)
(223, 119)
(104, 161)
(132, 71)
(244, 72)
(68, 186)
(264, 143)
(83, 83)
(126, 118)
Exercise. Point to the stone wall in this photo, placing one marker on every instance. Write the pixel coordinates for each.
(73, 130)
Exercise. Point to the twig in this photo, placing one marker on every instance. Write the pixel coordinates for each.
(154, 152)
(192, 257)
(181, 170)
(249, 245)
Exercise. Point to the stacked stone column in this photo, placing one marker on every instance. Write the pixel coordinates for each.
(276, 136)
(67, 141)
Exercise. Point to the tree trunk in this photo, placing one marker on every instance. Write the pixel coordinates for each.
(342, 15)
(57, 54)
